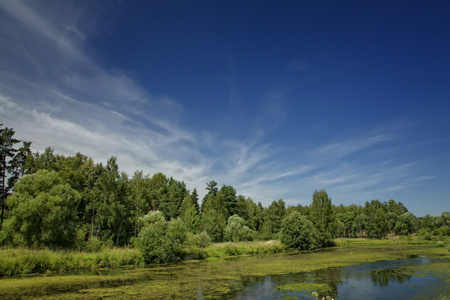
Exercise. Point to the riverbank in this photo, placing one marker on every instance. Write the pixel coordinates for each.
(20, 261)
(208, 279)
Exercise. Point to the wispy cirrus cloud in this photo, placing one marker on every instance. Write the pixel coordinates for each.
(54, 93)
(62, 98)
(349, 146)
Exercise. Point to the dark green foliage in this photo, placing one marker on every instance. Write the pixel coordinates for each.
(406, 224)
(12, 161)
(176, 193)
(397, 208)
(229, 195)
(380, 221)
(189, 214)
(321, 215)
(250, 212)
(272, 218)
(344, 223)
(95, 205)
(297, 232)
(110, 205)
(212, 187)
(214, 216)
(44, 211)
(425, 233)
(138, 196)
(194, 198)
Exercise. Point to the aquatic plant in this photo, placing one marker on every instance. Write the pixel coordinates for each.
(316, 295)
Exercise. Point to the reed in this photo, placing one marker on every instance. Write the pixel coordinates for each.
(21, 261)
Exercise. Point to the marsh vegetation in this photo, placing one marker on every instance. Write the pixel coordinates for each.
(392, 264)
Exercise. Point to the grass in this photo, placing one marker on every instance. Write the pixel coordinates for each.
(21, 261)
(220, 250)
(211, 279)
(396, 240)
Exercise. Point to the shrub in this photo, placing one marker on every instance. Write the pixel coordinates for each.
(161, 241)
(205, 240)
(440, 244)
(236, 230)
(297, 232)
(425, 233)
(93, 244)
(192, 240)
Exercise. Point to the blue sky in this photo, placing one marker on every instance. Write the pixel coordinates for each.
(276, 98)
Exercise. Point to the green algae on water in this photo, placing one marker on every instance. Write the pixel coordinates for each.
(309, 287)
(213, 279)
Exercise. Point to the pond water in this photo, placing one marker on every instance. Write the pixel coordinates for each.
(253, 277)
(396, 279)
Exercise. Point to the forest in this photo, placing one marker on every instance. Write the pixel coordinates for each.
(55, 201)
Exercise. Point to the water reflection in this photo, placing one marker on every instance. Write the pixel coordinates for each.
(397, 275)
(380, 280)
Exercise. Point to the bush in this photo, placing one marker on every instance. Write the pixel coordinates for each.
(205, 240)
(93, 244)
(161, 241)
(440, 244)
(236, 231)
(297, 232)
(425, 233)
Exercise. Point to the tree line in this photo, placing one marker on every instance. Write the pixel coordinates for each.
(57, 201)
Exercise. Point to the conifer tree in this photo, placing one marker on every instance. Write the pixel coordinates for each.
(11, 164)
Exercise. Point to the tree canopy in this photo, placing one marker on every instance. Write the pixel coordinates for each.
(62, 201)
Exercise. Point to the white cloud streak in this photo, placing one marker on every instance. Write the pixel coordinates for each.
(54, 94)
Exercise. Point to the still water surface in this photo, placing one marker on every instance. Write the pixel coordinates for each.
(396, 279)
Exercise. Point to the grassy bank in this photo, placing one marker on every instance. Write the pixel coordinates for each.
(22, 261)
(220, 250)
(212, 279)
(395, 240)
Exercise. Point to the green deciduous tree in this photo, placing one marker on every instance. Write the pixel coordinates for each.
(250, 212)
(44, 211)
(297, 232)
(236, 230)
(406, 224)
(138, 189)
(161, 241)
(273, 215)
(321, 215)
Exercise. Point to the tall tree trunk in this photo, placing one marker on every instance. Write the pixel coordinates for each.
(3, 186)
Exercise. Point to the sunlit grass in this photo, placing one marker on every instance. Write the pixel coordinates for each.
(20, 261)
(219, 250)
